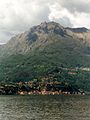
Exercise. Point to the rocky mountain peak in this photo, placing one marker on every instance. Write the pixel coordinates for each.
(42, 34)
(48, 28)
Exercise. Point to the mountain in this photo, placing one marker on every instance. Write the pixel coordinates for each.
(43, 49)
(40, 35)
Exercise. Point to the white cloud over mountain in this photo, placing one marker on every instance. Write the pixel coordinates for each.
(19, 15)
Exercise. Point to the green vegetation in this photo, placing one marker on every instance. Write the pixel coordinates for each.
(20, 69)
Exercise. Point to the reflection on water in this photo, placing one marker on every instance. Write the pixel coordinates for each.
(38, 107)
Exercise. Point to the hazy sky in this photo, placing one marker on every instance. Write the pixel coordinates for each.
(17, 16)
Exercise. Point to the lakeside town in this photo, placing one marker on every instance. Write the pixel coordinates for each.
(40, 88)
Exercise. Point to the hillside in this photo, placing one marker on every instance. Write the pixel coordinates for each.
(37, 53)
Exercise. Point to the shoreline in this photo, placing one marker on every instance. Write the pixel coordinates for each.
(49, 93)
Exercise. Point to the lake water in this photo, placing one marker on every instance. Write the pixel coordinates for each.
(49, 107)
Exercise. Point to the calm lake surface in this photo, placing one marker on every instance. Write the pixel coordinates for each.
(38, 107)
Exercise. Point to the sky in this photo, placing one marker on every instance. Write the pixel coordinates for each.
(17, 16)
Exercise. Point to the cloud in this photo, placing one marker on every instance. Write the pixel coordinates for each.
(76, 5)
(17, 16)
(60, 14)
(74, 13)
